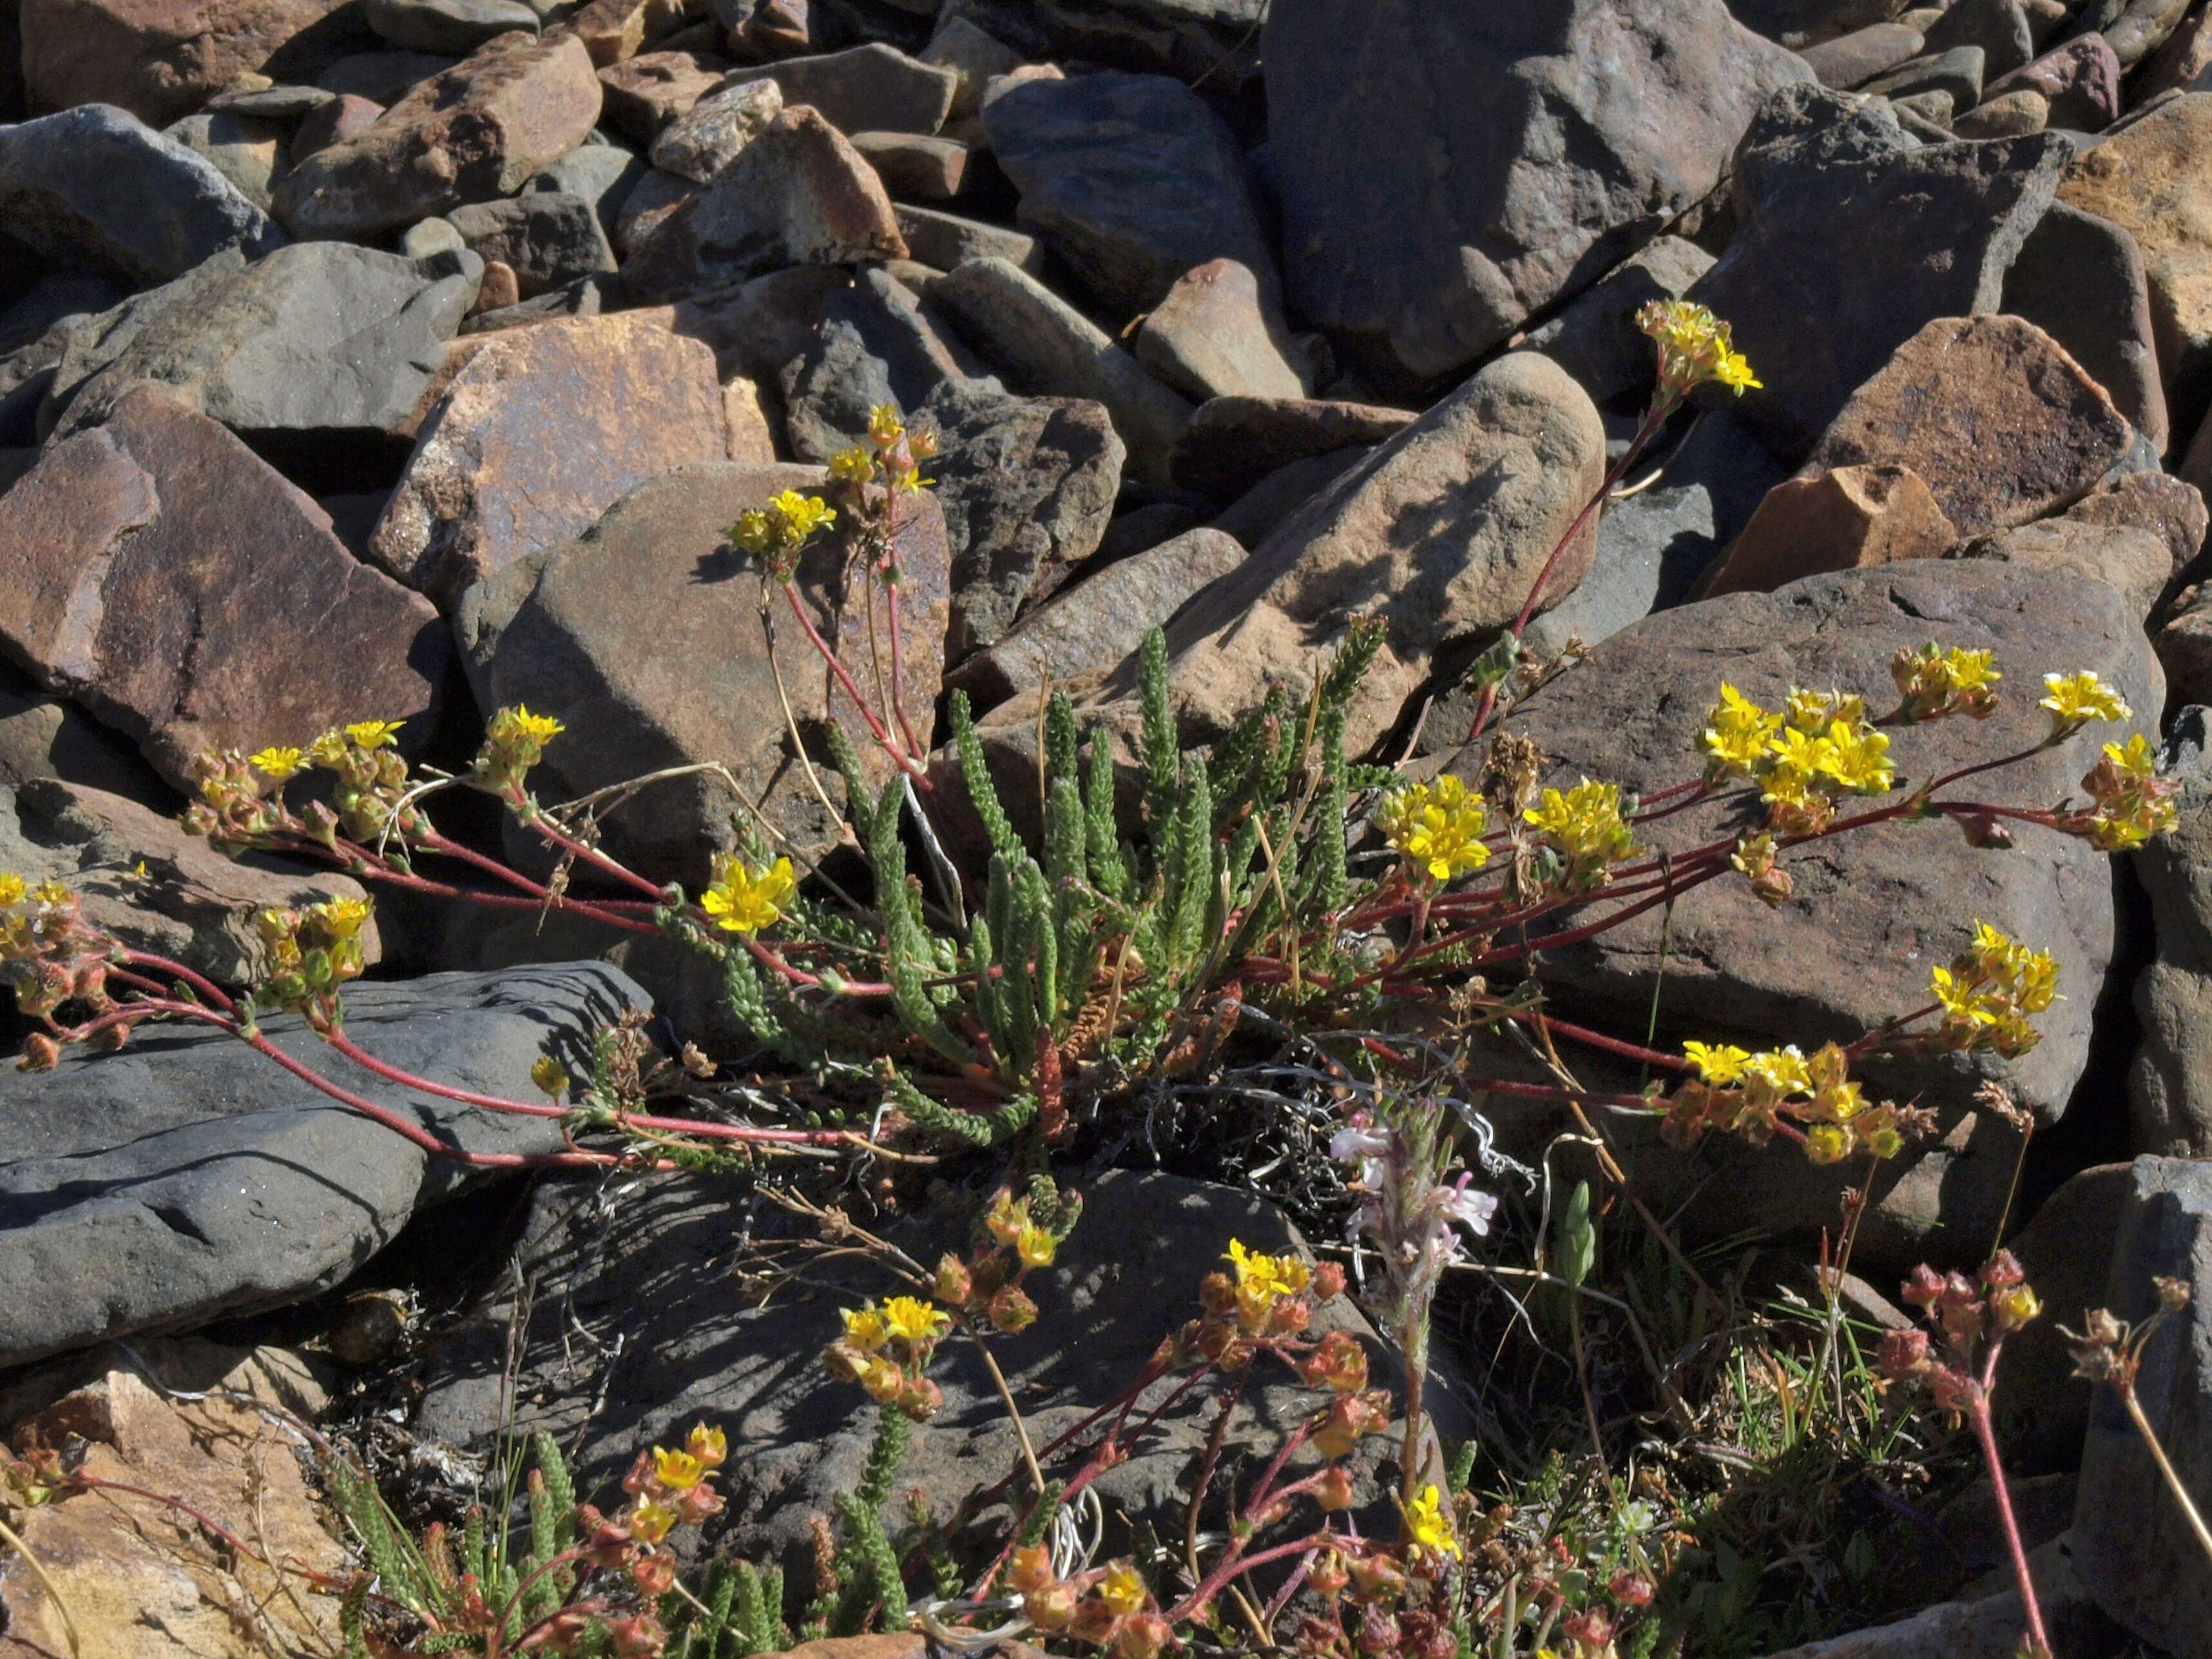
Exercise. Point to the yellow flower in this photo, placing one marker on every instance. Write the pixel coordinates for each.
(650, 1522)
(1960, 999)
(678, 1471)
(1784, 1069)
(2134, 759)
(885, 425)
(2075, 699)
(11, 888)
(329, 749)
(1264, 1278)
(865, 1328)
(709, 1446)
(744, 899)
(1858, 758)
(1585, 822)
(1429, 1530)
(1693, 347)
(1827, 1143)
(1733, 370)
(342, 918)
(1718, 1063)
(519, 722)
(1035, 1247)
(549, 1075)
(910, 1319)
(1735, 733)
(854, 465)
(50, 892)
(1971, 671)
(374, 734)
(1122, 1590)
(804, 514)
(1437, 825)
(279, 762)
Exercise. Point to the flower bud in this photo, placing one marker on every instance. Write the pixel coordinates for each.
(921, 1399)
(1012, 1311)
(1350, 1416)
(1291, 1316)
(1216, 1294)
(1333, 1490)
(1339, 1363)
(698, 1503)
(1142, 1635)
(955, 1283)
(1379, 1632)
(883, 1380)
(1374, 1577)
(1329, 1577)
(1029, 1568)
(1050, 1605)
(1631, 1590)
(1903, 1354)
(653, 1574)
(1328, 1281)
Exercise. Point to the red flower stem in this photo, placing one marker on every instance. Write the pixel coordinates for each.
(542, 826)
(493, 1645)
(770, 959)
(1986, 1432)
(1234, 1566)
(1550, 1092)
(892, 607)
(1590, 1039)
(822, 648)
(177, 970)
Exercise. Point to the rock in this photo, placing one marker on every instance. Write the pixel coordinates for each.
(1845, 519)
(545, 237)
(1851, 60)
(1573, 130)
(1926, 115)
(1140, 528)
(2136, 561)
(654, 197)
(612, 30)
(139, 1577)
(874, 343)
(645, 92)
(1126, 1278)
(1999, 27)
(1991, 412)
(431, 238)
(186, 1178)
(948, 241)
(93, 188)
(1095, 624)
(2010, 115)
(2081, 80)
(2151, 500)
(269, 103)
(1253, 515)
(2043, 1407)
(1991, 1626)
(457, 26)
(1027, 485)
(1956, 73)
(974, 55)
(1853, 239)
(645, 636)
(2142, 29)
(43, 736)
(707, 138)
(54, 299)
(758, 327)
(536, 437)
(602, 173)
(155, 887)
(499, 291)
(383, 77)
(912, 165)
(345, 117)
(2081, 279)
(2170, 1086)
(247, 152)
(2179, 65)
(867, 88)
(1047, 348)
(1879, 907)
(2132, 1547)
(1596, 338)
(319, 344)
(1213, 336)
(2184, 645)
(1132, 179)
(470, 133)
(798, 194)
(2146, 178)
(185, 592)
(161, 59)
(1232, 443)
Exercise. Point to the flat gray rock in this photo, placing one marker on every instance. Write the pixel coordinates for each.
(458, 27)
(186, 1178)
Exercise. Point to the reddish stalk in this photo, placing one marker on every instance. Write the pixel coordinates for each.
(822, 646)
(1986, 1432)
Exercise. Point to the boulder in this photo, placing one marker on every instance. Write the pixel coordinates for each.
(646, 637)
(1873, 909)
(542, 431)
(645, 92)
(654, 197)
(707, 138)
(798, 194)
(145, 881)
(1854, 237)
(1846, 518)
(457, 26)
(248, 151)
(171, 582)
(470, 133)
(2010, 115)
(601, 172)
(321, 341)
(1253, 516)
(2132, 1546)
(1955, 74)
(2081, 279)
(346, 116)
(2170, 1083)
(2149, 179)
(93, 188)
(1988, 1621)
(1851, 60)
(2179, 65)
(382, 77)
(2152, 501)
(2081, 80)
(915, 166)
(1132, 179)
(186, 1178)
(2131, 558)
(1213, 336)
(1094, 624)
(1999, 27)
(1231, 443)
(974, 55)
(1992, 413)
(547, 239)
(1556, 138)
(161, 59)
(1596, 338)
(946, 241)
(43, 736)
(1046, 347)
(612, 30)
(875, 342)
(867, 88)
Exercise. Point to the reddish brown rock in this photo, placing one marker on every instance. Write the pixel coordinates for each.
(645, 92)
(2081, 80)
(346, 116)
(500, 288)
(614, 30)
(2003, 425)
(1843, 519)
(470, 133)
(171, 582)
(869, 88)
(1231, 443)
(917, 166)
(1214, 335)
(798, 194)
(538, 435)
(2128, 558)
(161, 59)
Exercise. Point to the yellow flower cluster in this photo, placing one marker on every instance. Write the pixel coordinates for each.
(1437, 827)
(1936, 681)
(1989, 992)
(1694, 347)
(886, 1350)
(2133, 802)
(743, 899)
(1739, 1092)
(773, 534)
(514, 741)
(1818, 746)
(1262, 1282)
(1009, 1223)
(2074, 700)
(1429, 1535)
(35, 922)
(893, 454)
(1586, 827)
(669, 1488)
(311, 951)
